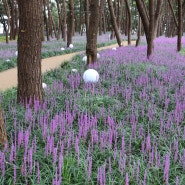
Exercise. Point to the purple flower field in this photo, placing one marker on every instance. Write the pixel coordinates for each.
(129, 128)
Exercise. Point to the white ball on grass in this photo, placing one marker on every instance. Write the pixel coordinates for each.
(62, 49)
(7, 60)
(71, 46)
(114, 49)
(84, 59)
(90, 75)
(74, 70)
(98, 55)
(44, 85)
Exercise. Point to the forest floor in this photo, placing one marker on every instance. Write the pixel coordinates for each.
(8, 78)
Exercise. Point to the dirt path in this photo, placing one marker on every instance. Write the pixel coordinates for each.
(8, 78)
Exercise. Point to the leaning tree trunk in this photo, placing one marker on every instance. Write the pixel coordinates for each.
(92, 31)
(3, 135)
(70, 26)
(29, 51)
(114, 23)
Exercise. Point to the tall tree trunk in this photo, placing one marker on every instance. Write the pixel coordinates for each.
(114, 23)
(3, 135)
(180, 22)
(150, 21)
(50, 30)
(59, 19)
(92, 31)
(86, 9)
(173, 13)
(129, 21)
(29, 51)
(64, 36)
(12, 20)
(138, 32)
(7, 8)
(102, 7)
(150, 37)
(120, 13)
(70, 28)
(46, 20)
(54, 26)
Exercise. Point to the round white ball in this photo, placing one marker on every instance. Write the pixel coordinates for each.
(74, 70)
(62, 49)
(90, 75)
(114, 48)
(44, 85)
(71, 46)
(84, 59)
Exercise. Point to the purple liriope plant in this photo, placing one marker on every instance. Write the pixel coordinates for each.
(166, 168)
(127, 179)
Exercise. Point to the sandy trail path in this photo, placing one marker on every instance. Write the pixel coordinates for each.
(8, 78)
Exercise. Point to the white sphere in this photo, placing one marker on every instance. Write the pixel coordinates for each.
(16, 53)
(74, 70)
(114, 49)
(7, 60)
(62, 49)
(44, 85)
(71, 46)
(98, 55)
(90, 75)
(84, 59)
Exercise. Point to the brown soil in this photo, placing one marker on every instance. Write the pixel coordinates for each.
(8, 78)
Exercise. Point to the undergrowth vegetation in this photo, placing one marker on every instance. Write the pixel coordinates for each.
(8, 56)
(128, 128)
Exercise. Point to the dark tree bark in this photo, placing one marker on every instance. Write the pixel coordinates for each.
(7, 8)
(46, 23)
(12, 20)
(92, 31)
(150, 21)
(173, 13)
(54, 26)
(150, 37)
(59, 19)
(86, 9)
(70, 25)
(3, 135)
(129, 21)
(180, 23)
(64, 36)
(50, 30)
(29, 51)
(102, 7)
(120, 13)
(114, 23)
(138, 32)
